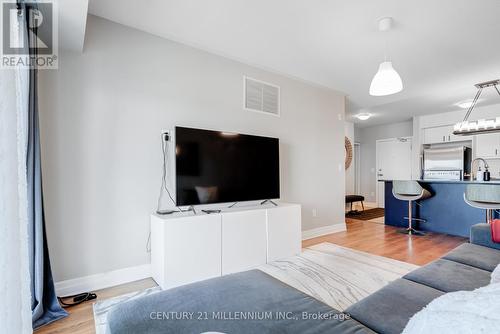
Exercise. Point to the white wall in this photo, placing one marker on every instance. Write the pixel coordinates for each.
(367, 137)
(349, 173)
(102, 114)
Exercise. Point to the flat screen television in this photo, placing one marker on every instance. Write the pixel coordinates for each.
(223, 167)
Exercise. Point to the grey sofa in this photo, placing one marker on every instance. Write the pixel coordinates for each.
(219, 304)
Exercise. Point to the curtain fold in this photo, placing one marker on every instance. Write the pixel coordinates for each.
(45, 307)
(15, 315)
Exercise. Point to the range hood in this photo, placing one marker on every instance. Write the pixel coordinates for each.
(468, 128)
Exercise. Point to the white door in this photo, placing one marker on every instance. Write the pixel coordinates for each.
(393, 163)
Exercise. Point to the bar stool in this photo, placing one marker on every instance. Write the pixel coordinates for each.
(483, 196)
(410, 191)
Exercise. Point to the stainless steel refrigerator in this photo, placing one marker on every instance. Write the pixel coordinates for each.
(451, 163)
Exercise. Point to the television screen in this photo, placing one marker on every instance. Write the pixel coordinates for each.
(222, 167)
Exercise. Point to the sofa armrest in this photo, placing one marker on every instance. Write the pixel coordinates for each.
(480, 234)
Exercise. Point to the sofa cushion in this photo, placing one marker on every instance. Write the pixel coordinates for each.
(448, 276)
(480, 234)
(218, 304)
(470, 312)
(389, 309)
(476, 256)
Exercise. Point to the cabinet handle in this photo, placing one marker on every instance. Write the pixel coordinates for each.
(444, 138)
(449, 138)
(496, 151)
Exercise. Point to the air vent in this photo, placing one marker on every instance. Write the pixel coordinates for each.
(261, 96)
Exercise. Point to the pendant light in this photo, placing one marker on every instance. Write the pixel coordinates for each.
(386, 81)
(468, 128)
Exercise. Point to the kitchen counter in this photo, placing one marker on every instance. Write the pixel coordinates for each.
(445, 212)
(493, 181)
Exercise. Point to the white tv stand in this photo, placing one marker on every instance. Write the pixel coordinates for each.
(186, 248)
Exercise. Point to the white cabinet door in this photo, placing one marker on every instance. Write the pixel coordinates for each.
(192, 249)
(283, 232)
(436, 135)
(441, 134)
(488, 145)
(451, 137)
(244, 240)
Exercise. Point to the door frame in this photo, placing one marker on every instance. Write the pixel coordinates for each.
(357, 168)
(407, 138)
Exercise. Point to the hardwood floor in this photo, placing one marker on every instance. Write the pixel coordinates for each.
(385, 241)
(365, 236)
(81, 317)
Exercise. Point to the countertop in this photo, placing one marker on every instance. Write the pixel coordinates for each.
(493, 181)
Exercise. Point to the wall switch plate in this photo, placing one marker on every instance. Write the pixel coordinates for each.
(372, 194)
(314, 213)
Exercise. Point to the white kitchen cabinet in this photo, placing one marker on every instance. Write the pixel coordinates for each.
(440, 134)
(488, 145)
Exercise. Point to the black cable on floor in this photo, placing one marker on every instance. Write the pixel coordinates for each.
(77, 299)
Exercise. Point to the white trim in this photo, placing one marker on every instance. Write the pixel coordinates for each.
(323, 230)
(103, 280)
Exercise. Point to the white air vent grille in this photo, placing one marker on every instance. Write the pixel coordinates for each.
(261, 96)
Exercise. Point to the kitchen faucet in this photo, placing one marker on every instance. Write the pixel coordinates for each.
(472, 167)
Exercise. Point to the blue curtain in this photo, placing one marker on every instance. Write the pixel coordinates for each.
(44, 305)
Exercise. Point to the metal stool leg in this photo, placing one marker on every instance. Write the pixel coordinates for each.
(489, 215)
(410, 230)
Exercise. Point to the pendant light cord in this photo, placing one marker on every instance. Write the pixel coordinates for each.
(478, 94)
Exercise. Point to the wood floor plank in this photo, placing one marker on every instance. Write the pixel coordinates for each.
(386, 241)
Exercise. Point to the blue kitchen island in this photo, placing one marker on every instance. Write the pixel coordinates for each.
(445, 212)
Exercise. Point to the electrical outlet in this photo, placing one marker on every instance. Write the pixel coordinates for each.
(165, 135)
(314, 213)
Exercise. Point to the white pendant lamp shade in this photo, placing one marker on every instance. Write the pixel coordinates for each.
(387, 81)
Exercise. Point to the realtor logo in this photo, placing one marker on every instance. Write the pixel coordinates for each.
(29, 34)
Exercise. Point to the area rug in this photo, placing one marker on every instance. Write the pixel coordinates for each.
(335, 275)
(367, 214)
(101, 308)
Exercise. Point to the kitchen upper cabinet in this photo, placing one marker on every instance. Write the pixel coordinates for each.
(440, 134)
(488, 145)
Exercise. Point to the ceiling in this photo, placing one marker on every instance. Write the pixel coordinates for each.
(440, 48)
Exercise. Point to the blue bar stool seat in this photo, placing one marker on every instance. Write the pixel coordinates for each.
(410, 191)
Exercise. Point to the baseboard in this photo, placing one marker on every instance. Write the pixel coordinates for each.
(103, 280)
(319, 231)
